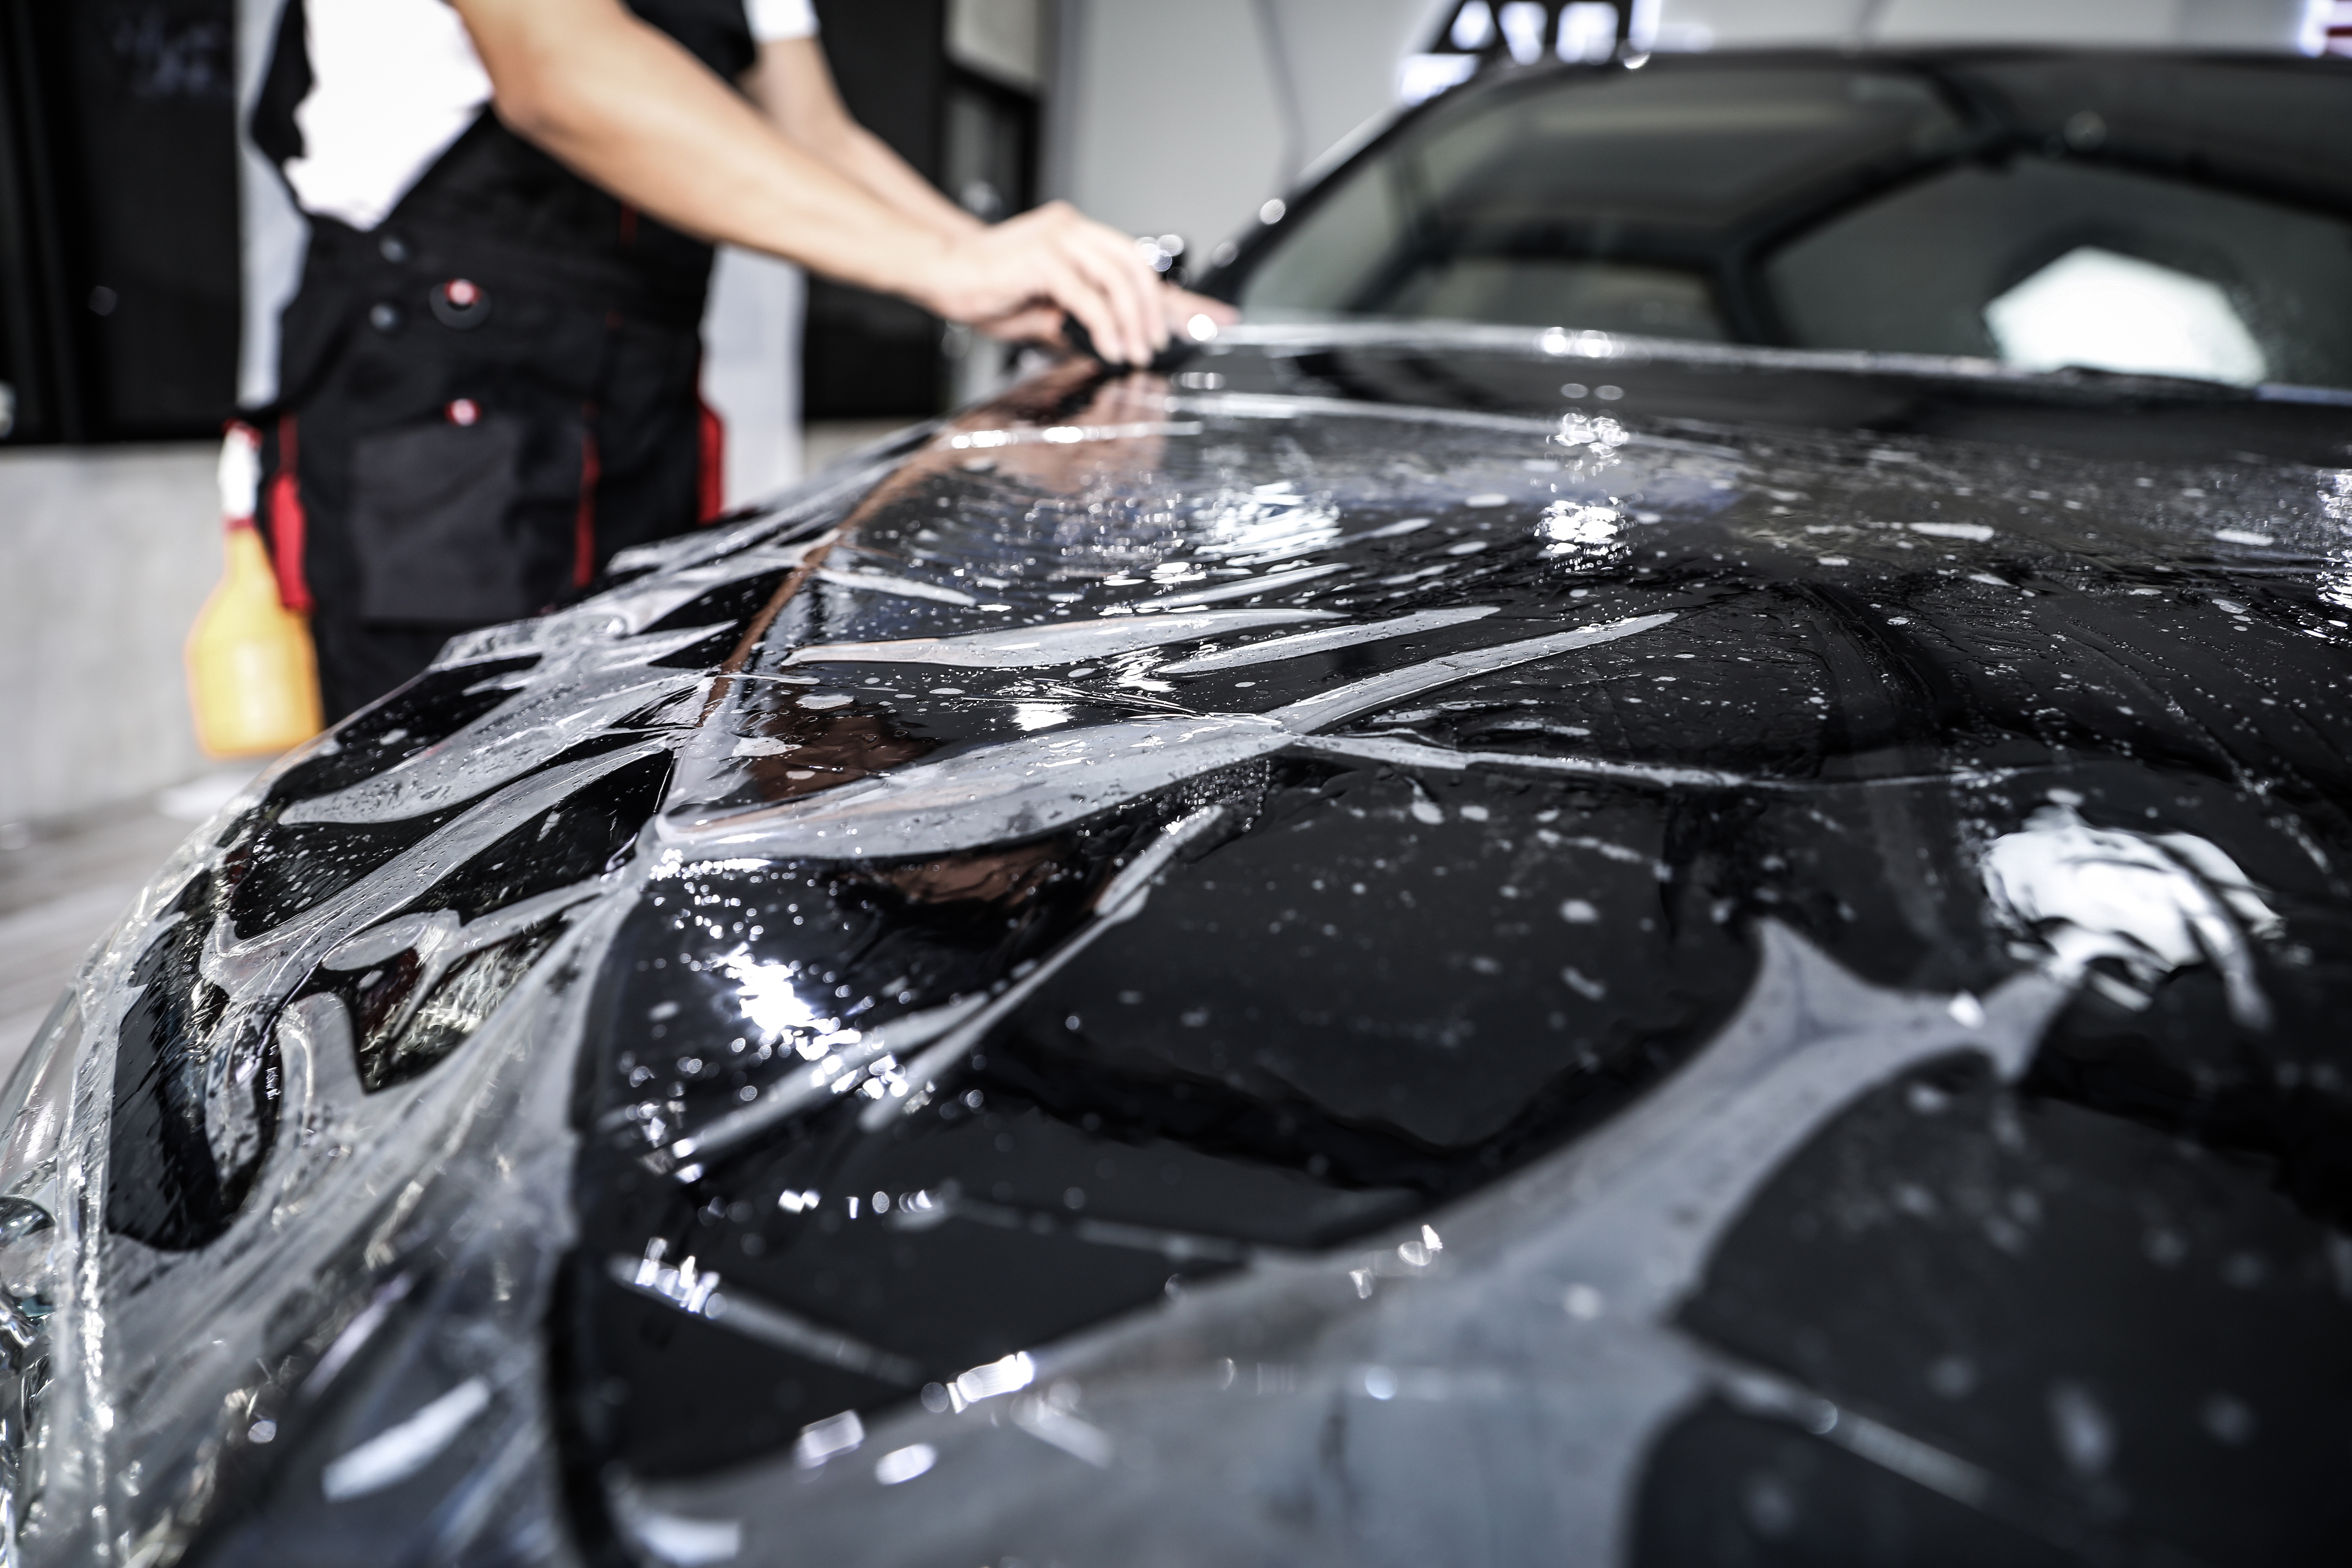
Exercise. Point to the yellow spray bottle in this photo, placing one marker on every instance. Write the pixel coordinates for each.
(253, 677)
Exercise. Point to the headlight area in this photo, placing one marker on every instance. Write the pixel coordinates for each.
(38, 1179)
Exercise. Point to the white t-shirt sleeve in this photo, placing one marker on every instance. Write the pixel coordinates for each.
(773, 21)
(393, 83)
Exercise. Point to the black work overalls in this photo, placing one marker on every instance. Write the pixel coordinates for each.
(485, 396)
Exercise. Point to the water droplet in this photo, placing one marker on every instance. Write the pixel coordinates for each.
(1953, 1376)
(1577, 981)
(901, 1464)
(2230, 1419)
(1769, 1506)
(2084, 1433)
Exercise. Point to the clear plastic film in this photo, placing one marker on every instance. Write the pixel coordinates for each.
(1268, 981)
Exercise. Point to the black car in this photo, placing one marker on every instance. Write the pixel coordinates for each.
(1702, 918)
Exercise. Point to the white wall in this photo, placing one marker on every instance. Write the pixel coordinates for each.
(1343, 56)
(1166, 120)
(751, 369)
(1168, 116)
(105, 557)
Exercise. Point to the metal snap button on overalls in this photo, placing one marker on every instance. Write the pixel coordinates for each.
(460, 303)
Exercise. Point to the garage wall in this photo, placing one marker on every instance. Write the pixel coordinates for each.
(750, 369)
(1168, 118)
(106, 554)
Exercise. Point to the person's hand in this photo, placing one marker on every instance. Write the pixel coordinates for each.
(1016, 279)
(1195, 316)
(1184, 311)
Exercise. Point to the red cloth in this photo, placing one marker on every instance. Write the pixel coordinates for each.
(288, 524)
(713, 475)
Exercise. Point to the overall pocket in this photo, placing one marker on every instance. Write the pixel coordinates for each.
(436, 524)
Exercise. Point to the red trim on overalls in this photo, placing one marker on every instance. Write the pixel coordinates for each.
(710, 479)
(289, 525)
(583, 521)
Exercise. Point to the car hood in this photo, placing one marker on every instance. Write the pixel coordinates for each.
(1311, 960)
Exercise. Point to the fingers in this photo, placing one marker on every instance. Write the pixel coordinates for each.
(1110, 268)
(1128, 286)
(1054, 255)
(1138, 293)
(1078, 291)
(1044, 259)
(1196, 317)
(1034, 324)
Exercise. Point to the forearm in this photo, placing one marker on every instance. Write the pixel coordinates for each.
(793, 86)
(625, 106)
(860, 155)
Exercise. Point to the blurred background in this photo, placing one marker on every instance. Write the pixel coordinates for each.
(145, 249)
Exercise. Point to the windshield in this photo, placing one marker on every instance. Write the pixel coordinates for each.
(2144, 216)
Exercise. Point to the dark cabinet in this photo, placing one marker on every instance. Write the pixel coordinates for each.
(119, 253)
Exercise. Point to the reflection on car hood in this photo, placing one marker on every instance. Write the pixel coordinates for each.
(1673, 384)
(1269, 967)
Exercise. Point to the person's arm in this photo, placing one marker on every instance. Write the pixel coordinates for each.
(625, 106)
(793, 88)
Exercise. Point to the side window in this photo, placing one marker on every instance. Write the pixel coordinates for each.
(1333, 255)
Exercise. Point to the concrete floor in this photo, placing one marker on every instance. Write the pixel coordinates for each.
(106, 554)
(65, 881)
(827, 439)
